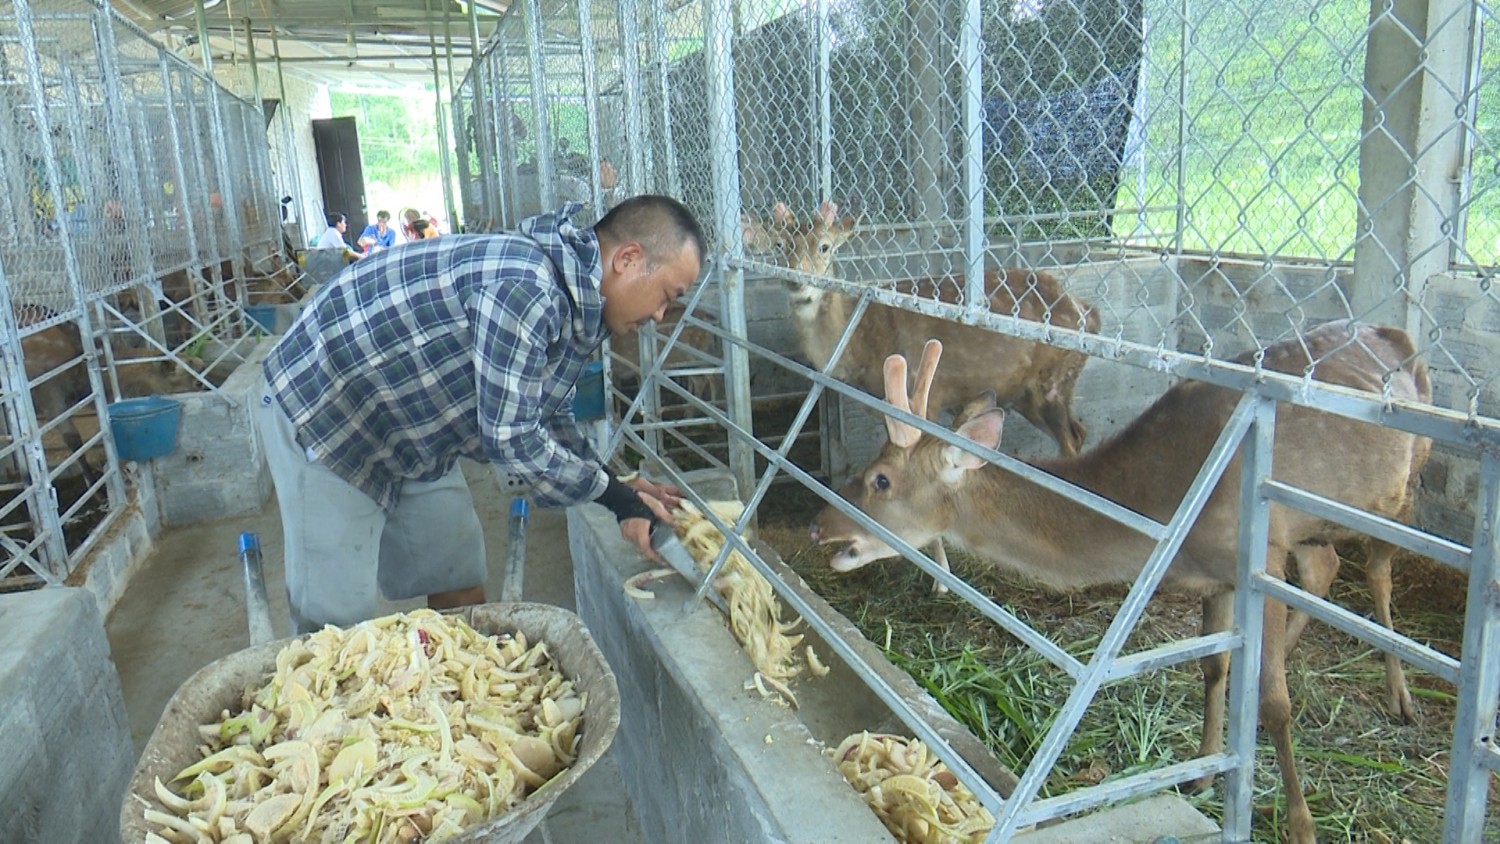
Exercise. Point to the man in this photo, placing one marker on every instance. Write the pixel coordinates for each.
(333, 237)
(378, 235)
(461, 346)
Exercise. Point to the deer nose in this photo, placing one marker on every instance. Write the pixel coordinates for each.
(814, 532)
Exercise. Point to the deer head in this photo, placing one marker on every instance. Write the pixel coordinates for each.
(910, 485)
(807, 247)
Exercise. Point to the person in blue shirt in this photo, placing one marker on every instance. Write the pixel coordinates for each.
(462, 346)
(378, 235)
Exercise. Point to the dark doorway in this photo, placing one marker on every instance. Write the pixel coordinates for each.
(340, 172)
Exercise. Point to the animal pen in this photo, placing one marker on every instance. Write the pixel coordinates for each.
(137, 200)
(1209, 179)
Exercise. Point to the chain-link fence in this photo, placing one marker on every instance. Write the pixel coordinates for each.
(137, 207)
(1064, 185)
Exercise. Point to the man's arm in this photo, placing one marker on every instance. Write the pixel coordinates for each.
(513, 323)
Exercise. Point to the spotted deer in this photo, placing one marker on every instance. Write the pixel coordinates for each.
(1035, 379)
(924, 489)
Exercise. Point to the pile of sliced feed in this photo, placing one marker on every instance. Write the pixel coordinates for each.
(409, 727)
(754, 612)
(912, 792)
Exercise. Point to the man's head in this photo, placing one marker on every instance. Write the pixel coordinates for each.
(382, 220)
(337, 221)
(651, 249)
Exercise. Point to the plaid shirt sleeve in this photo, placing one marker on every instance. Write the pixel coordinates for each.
(513, 323)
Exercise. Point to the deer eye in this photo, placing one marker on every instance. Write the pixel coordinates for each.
(824, 247)
(882, 483)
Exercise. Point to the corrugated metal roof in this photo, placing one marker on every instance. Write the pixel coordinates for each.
(355, 41)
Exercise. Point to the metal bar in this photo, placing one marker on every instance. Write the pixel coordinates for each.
(1125, 619)
(824, 36)
(1479, 677)
(1136, 785)
(1189, 36)
(444, 150)
(515, 552)
(481, 137)
(661, 67)
(542, 132)
(289, 141)
(723, 135)
(971, 60)
(1243, 703)
(257, 606)
(1433, 662)
(1172, 653)
(590, 100)
(630, 81)
(1442, 550)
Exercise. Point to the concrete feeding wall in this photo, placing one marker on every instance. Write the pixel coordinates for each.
(217, 469)
(64, 737)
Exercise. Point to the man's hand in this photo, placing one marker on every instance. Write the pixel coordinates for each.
(638, 531)
(668, 495)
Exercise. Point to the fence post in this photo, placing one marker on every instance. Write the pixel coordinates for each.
(1479, 673)
(1410, 157)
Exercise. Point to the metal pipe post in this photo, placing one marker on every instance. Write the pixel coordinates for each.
(590, 99)
(289, 141)
(481, 137)
(444, 151)
(543, 130)
(630, 81)
(723, 133)
(971, 59)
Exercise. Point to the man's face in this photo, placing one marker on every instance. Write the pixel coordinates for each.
(635, 293)
(381, 224)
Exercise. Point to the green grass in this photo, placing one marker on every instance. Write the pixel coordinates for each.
(1367, 778)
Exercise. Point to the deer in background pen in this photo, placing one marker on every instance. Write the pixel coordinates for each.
(923, 489)
(1035, 378)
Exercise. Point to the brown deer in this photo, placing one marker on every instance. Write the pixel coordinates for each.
(1034, 378)
(923, 489)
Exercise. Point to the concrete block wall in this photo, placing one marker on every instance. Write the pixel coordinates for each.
(703, 759)
(108, 568)
(64, 737)
(218, 469)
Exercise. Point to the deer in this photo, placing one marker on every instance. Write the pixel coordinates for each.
(1034, 378)
(922, 489)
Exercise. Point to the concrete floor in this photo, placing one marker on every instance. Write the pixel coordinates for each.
(186, 608)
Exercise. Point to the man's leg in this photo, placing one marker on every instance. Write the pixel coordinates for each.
(331, 531)
(433, 545)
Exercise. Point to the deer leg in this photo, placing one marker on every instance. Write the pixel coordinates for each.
(1316, 567)
(940, 556)
(1276, 717)
(1218, 614)
(1378, 577)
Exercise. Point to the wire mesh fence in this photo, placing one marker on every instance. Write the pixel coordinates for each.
(1184, 187)
(137, 200)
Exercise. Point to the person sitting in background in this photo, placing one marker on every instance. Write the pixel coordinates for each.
(333, 237)
(424, 229)
(378, 235)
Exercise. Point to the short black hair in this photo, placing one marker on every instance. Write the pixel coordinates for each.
(660, 224)
(382, 215)
(334, 219)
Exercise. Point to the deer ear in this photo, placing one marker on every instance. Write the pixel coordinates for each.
(983, 429)
(782, 214)
(830, 212)
(985, 401)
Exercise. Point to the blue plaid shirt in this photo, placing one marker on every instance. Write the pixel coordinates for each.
(466, 345)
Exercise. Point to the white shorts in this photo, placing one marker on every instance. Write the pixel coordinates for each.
(341, 546)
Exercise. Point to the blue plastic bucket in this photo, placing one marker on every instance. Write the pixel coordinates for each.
(145, 428)
(588, 401)
(262, 315)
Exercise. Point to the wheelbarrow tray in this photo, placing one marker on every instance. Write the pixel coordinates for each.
(221, 685)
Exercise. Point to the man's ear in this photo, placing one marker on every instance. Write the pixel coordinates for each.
(627, 256)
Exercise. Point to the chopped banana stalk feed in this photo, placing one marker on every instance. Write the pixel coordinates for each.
(409, 727)
(913, 793)
(754, 612)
